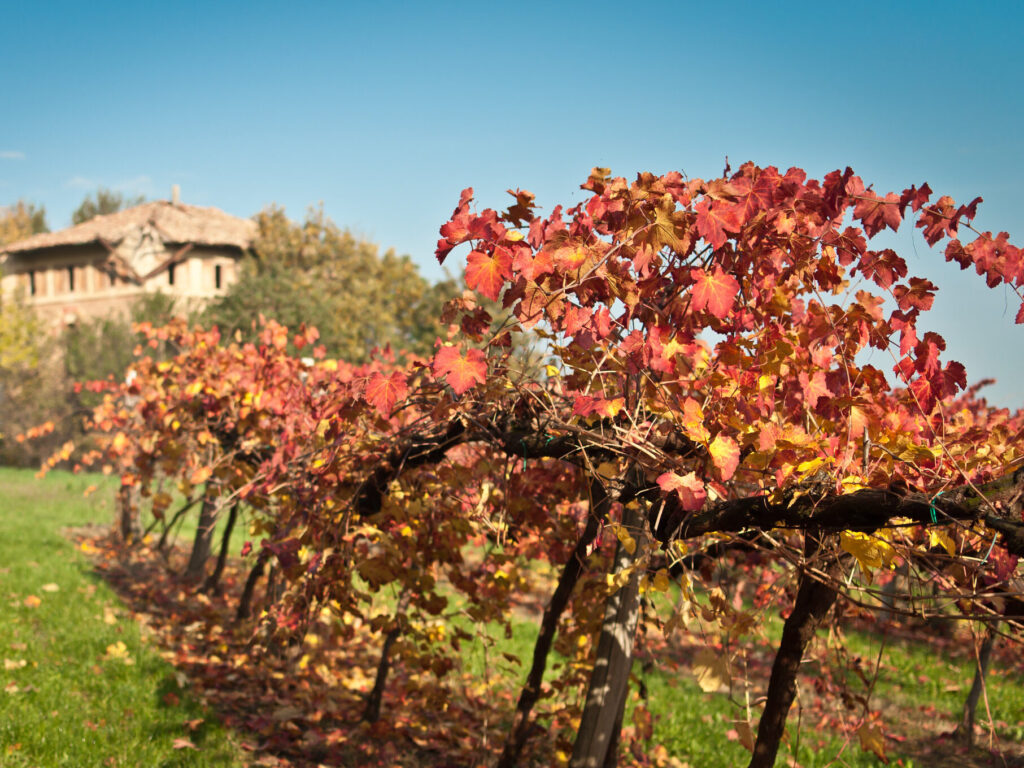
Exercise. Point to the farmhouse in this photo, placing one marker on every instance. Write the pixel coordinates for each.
(102, 265)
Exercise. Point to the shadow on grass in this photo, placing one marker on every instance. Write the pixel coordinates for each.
(294, 705)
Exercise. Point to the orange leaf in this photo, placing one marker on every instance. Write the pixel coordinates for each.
(201, 475)
(725, 455)
(382, 392)
(715, 292)
(714, 219)
(487, 273)
(461, 373)
(693, 421)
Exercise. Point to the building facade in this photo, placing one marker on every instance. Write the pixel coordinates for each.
(101, 266)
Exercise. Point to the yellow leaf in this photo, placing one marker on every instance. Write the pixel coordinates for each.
(624, 538)
(51, 587)
(118, 651)
(853, 483)
(119, 443)
(871, 552)
(941, 538)
(872, 740)
(551, 371)
(662, 580)
(711, 669)
(808, 467)
(31, 602)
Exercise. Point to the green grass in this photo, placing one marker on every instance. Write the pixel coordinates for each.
(73, 702)
(919, 688)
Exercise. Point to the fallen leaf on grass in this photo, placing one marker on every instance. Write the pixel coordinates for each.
(31, 602)
(119, 651)
(51, 587)
(10, 664)
(184, 744)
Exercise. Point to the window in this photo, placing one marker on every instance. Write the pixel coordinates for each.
(216, 277)
(71, 279)
(31, 282)
(170, 274)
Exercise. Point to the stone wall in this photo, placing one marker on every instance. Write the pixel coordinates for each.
(72, 282)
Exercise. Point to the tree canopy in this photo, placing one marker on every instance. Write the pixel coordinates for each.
(104, 201)
(705, 401)
(21, 220)
(317, 274)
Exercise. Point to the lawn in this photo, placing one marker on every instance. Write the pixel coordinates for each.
(83, 688)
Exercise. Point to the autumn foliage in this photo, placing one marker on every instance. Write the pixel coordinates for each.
(708, 395)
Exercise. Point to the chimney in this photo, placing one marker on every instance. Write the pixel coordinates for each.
(175, 194)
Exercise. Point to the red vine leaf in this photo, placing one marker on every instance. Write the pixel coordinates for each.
(382, 392)
(688, 487)
(461, 372)
(715, 292)
(487, 273)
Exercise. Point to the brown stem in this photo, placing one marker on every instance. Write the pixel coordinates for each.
(204, 535)
(373, 701)
(611, 758)
(609, 681)
(175, 519)
(813, 600)
(213, 580)
(245, 602)
(127, 517)
(571, 572)
(965, 731)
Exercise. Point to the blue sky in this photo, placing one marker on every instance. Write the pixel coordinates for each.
(385, 111)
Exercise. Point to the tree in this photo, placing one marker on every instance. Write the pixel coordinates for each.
(320, 275)
(21, 220)
(21, 335)
(104, 201)
(30, 382)
(101, 348)
(705, 399)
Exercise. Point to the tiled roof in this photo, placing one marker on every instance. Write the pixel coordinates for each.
(173, 223)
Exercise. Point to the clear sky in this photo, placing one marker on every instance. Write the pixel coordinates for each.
(384, 111)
